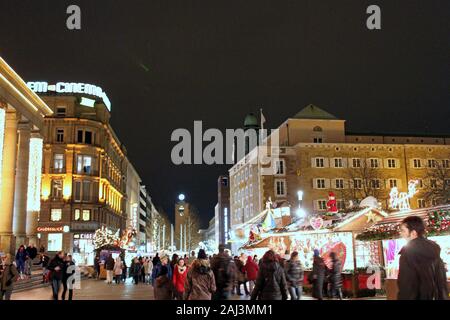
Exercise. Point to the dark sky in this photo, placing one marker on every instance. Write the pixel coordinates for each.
(167, 63)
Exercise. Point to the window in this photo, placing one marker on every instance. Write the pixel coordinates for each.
(84, 164)
(431, 163)
(54, 242)
(321, 204)
(77, 191)
(61, 111)
(86, 190)
(433, 183)
(57, 189)
(320, 163)
(340, 204)
(356, 163)
(320, 183)
(224, 182)
(280, 187)
(55, 215)
(59, 135)
(357, 183)
(417, 163)
(88, 137)
(77, 215)
(446, 163)
(420, 183)
(317, 140)
(434, 202)
(375, 183)
(58, 162)
(317, 129)
(279, 165)
(80, 136)
(338, 163)
(85, 136)
(421, 203)
(392, 183)
(391, 163)
(374, 163)
(339, 183)
(86, 215)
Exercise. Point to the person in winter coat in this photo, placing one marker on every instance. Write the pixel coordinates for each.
(180, 272)
(251, 270)
(148, 268)
(31, 255)
(294, 276)
(97, 266)
(156, 269)
(200, 283)
(318, 275)
(224, 271)
(241, 277)
(118, 269)
(68, 271)
(162, 285)
(43, 262)
(335, 277)
(21, 257)
(124, 270)
(109, 266)
(135, 270)
(156, 260)
(56, 267)
(271, 280)
(422, 274)
(8, 276)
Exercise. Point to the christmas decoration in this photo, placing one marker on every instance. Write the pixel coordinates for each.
(332, 203)
(104, 237)
(400, 200)
(438, 222)
(316, 223)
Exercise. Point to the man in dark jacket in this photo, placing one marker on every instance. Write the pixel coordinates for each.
(335, 276)
(294, 276)
(109, 266)
(56, 267)
(318, 275)
(224, 271)
(271, 280)
(422, 272)
(32, 254)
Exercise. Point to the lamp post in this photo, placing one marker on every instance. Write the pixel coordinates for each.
(300, 211)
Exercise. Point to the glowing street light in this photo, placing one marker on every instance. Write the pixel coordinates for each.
(181, 197)
(300, 195)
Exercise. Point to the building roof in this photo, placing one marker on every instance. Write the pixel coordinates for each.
(314, 112)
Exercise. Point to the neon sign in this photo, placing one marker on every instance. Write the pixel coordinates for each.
(70, 87)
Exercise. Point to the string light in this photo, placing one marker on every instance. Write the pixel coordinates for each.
(34, 175)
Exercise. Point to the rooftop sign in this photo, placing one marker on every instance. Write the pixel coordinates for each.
(70, 87)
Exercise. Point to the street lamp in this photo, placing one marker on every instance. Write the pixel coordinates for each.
(181, 197)
(300, 212)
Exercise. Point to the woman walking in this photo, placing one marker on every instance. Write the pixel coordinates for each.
(251, 270)
(118, 269)
(8, 276)
(271, 280)
(179, 279)
(21, 257)
(200, 283)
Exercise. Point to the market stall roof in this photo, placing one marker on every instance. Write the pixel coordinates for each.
(388, 227)
(259, 218)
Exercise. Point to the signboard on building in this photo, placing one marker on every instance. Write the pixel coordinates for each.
(53, 229)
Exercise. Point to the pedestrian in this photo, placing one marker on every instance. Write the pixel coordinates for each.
(191, 259)
(180, 272)
(42, 249)
(271, 279)
(255, 259)
(8, 276)
(162, 289)
(43, 262)
(124, 269)
(200, 282)
(422, 274)
(317, 276)
(251, 270)
(156, 260)
(31, 255)
(21, 257)
(174, 261)
(335, 277)
(241, 278)
(156, 269)
(67, 277)
(97, 266)
(56, 267)
(118, 269)
(136, 270)
(224, 271)
(147, 272)
(294, 276)
(109, 266)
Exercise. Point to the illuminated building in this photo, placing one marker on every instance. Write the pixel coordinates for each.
(85, 171)
(222, 217)
(318, 155)
(22, 115)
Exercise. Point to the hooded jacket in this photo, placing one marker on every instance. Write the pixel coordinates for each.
(200, 283)
(270, 283)
(224, 270)
(251, 268)
(422, 273)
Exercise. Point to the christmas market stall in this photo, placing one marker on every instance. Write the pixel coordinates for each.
(386, 235)
(330, 232)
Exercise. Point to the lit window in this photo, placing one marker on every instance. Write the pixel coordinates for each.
(77, 215)
(58, 162)
(57, 189)
(86, 215)
(59, 135)
(55, 215)
(84, 164)
(54, 242)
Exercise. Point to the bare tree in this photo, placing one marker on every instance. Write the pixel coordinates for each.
(436, 185)
(365, 179)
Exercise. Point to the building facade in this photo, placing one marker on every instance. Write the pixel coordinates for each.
(84, 176)
(317, 156)
(22, 115)
(222, 210)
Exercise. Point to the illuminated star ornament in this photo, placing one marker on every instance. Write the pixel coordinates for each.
(372, 217)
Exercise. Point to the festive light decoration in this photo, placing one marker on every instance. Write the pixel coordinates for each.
(332, 203)
(438, 222)
(401, 200)
(34, 175)
(104, 237)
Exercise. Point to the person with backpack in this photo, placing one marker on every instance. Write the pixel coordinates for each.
(224, 271)
(422, 274)
(8, 276)
(271, 280)
(294, 276)
(200, 282)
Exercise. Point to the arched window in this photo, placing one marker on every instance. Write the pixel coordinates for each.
(317, 129)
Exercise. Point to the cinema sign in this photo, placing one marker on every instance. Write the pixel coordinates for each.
(70, 87)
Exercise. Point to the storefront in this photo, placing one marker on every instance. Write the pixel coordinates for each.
(55, 238)
(83, 248)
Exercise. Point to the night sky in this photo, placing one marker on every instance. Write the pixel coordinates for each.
(167, 63)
